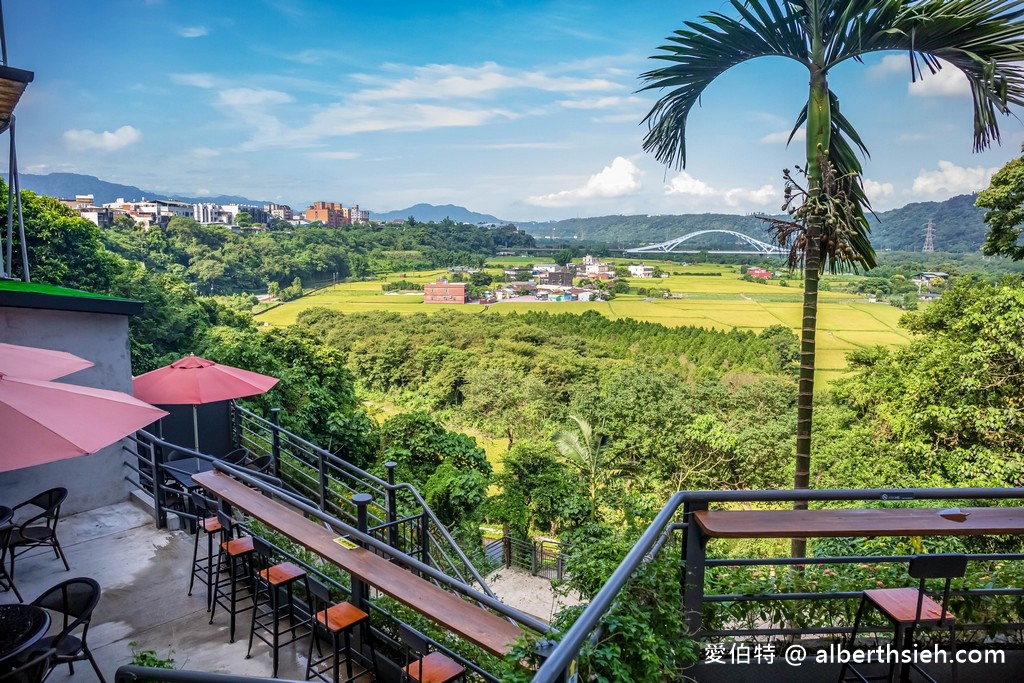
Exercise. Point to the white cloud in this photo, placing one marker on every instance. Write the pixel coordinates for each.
(84, 140)
(620, 179)
(783, 137)
(600, 102)
(684, 184)
(251, 97)
(877, 191)
(341, 119)
(447, 81)
(193, 31)
(951, 179)
(336, 155)
(196, 80)
(890, 64)
(204, 153)
(948, 82)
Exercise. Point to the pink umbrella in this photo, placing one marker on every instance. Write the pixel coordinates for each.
(194, 380)
(46, 421)
(32, 363)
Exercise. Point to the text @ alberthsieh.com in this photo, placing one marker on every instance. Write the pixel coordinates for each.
(797, 655)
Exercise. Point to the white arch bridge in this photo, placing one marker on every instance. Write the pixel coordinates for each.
(672, 246)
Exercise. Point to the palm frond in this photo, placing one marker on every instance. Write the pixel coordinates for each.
(983, 39)
(701, 52)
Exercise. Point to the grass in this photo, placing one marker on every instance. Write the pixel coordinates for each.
(724, 302)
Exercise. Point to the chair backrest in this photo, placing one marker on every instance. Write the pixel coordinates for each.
(175, 454)
(263, 550)
(262, 463)
(414, 648)
(49, 502)
(32, 671)
(203, 505)
(236, 457)
(227, 524)
(75, 599)
(946, 566)
(319, 592)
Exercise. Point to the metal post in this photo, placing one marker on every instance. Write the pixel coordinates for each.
(360, 593)
(533, 557)
(155, 460)
(424, 539)
(236, 416)
(275, 418)
(692, 576)
(544, 648)
(392, 505)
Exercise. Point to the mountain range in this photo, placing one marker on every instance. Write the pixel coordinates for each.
(958, 224)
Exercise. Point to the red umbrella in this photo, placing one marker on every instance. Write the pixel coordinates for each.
(194, 380)
(32, 363)
(46, 421)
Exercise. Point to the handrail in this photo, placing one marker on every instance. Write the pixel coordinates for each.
(411, 562)
(569, 646)
(381, 484)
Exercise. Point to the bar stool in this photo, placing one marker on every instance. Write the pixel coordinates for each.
(340, 620)
(431, 667)
(908, 608)
(235, 553)
(268, 611)
(207, 525)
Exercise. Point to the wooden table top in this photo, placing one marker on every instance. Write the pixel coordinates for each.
(858, 522)
(489, 631)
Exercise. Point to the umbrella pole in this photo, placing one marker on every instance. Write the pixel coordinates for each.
(195, 424)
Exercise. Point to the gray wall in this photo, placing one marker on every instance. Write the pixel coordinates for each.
(92, 480)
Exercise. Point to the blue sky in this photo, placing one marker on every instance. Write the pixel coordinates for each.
(525, 110)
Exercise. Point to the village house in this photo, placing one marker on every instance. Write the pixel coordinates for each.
(444, 292)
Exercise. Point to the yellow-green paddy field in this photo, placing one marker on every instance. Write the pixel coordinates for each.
(723, 301)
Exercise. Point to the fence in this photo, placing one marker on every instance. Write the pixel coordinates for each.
(540, 556)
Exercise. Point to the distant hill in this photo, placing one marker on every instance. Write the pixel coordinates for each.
(428, 212)
(959, 227)
(67, 185)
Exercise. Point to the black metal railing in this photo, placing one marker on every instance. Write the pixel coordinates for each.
(146, 674)
(544, 557)
(677, 516)
(398, 514)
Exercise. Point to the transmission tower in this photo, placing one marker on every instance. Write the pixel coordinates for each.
(929, 237)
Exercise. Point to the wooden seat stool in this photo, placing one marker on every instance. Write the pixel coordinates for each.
(271, 580)
(209, 526)
(909, 608)
(235, 555)
(340, 620)
(431, 667)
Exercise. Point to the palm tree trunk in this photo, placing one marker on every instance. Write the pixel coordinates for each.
(819, 131)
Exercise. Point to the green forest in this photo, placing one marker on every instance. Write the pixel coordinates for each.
(598, 420)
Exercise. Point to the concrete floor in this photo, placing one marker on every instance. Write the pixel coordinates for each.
(144, 573)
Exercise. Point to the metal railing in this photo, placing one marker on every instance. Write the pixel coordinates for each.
(146, 674)
(677, 516)
(544, 557)
(398, 514)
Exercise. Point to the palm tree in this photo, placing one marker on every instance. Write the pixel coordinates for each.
(584, 451)
(984, 39)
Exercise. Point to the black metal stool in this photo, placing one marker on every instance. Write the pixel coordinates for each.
(207, 525)
(908, 608)
(340, 621)
(271, 580)
(235, 553)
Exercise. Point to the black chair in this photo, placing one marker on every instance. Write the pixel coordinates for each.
(40, 530)
(6, 582)
(907, 609)
(261, 464)
(340, 620)
(274, 600)
(32, 671)
(207, 525)
(74, 600)
(239, 457)
(236, 584)
(428, 667)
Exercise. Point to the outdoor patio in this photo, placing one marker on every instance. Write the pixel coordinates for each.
(143, 572)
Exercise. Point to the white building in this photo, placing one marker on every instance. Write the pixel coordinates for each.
(641, 271)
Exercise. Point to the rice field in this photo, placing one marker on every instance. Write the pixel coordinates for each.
(721, 302)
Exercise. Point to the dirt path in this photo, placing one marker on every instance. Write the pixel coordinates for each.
(531, 594)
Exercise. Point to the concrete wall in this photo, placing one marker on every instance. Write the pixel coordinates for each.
(92, 480)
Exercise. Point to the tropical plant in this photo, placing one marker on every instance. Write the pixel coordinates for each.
(584, 451)
(984, 39)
